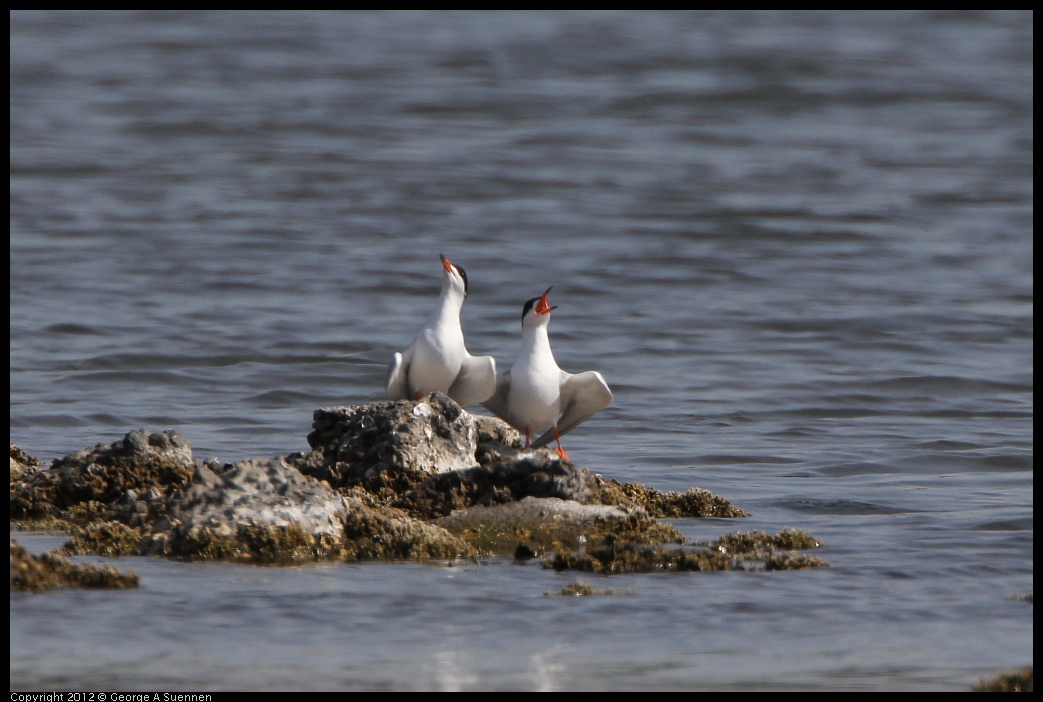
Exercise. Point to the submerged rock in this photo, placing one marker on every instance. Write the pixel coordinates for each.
(50, 571)
(621, 557)
(774, 553)
(759, 543)
(581, 588)
(530, 512)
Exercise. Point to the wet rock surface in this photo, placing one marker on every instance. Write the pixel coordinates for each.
(536, 525)
(395, 480)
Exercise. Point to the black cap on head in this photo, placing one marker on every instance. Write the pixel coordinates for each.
(463, 274)
(529, 304)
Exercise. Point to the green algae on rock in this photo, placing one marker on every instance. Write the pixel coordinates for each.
(50, 571)
(261, 544)
(537, 525)
(611, 556)
(793, 561)
(614, 558)
(694, 502)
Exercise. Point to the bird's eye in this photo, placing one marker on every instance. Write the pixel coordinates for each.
(464, 276)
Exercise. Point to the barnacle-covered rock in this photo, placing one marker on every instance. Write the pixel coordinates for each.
(416, 480)
(106, 479)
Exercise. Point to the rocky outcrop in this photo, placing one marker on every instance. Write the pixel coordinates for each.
(395, 480)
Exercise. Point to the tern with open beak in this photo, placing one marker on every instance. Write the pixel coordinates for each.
(535, 395)
(438, 360)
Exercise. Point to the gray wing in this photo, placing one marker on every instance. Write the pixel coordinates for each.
(497, 404)
(476, 380)
(582, 395)
(397, 381)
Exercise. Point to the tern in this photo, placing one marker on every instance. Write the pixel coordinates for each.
(535, 395)
(438, 360)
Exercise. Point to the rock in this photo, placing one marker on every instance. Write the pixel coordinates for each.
(97, 479)
(495, 431)
(534, 525)
(502, 477)
(50, 571)
(391, 445)
(694, 502)
(531, 512)
(535, 473)
(258, 510)
(375, 532)
(22, 464)
(410, 480)
(1019, 680)
(259, 491)
(625, 557)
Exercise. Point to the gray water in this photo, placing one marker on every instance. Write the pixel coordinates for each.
(798, 246)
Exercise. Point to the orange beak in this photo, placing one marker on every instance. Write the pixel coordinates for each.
(541, 305)
(446, 263)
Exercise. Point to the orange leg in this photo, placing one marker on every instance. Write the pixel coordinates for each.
(561, 451)
(527, 435)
